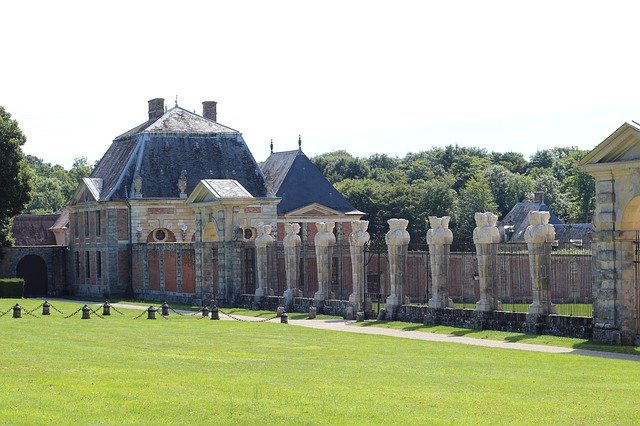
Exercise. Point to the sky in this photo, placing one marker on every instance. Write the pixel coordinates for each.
(368, 77)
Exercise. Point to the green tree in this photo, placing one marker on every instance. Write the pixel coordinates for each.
(15, 187)
(475, 197)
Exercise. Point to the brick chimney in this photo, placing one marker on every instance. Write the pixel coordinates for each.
(209, 110)
(156, 108)
(538, 197)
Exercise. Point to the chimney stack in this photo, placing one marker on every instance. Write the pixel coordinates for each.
(156, 108)
(538, 197)
(209, 110)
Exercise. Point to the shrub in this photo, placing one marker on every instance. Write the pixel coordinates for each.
(11, 288)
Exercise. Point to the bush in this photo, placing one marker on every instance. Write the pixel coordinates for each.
(11, 288)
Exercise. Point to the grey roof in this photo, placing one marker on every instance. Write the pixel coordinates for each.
(517, 217)
(574, 232)
(159, 150)
(293, 177)
(33, 229)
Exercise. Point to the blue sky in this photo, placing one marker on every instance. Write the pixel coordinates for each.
(365, 76)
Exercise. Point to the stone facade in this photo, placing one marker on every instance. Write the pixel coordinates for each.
(615, 164)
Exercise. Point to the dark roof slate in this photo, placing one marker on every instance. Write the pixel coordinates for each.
(293, 177)
(517, 217)
(179, 140)
(33, 229)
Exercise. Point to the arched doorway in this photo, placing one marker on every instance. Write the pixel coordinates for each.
(33, 269)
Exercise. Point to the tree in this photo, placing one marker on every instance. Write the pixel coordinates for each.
(15, 187)
(475, 197)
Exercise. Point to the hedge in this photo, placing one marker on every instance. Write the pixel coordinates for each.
(11, 288)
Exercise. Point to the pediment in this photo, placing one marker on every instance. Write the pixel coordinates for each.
(314, 209)
(621, 147)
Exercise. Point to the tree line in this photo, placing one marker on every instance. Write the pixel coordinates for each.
(458, 181)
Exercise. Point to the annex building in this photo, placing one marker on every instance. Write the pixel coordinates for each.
(172, 211)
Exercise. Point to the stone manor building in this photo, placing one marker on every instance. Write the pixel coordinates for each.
(172, 211)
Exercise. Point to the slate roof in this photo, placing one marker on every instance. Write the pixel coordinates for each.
(159, 150)
(293, 177)
(517, 217)
(33, 229)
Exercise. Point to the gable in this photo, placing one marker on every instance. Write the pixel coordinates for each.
(88, 191)
(218, 189)
(315, 210)
(621, 148)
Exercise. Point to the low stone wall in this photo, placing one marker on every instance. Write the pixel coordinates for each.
(556, 325)
(300, 304)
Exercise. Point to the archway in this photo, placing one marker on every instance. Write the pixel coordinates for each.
(33, 269)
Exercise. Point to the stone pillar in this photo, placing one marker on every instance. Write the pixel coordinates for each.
(439, 239)
(291, 244)
(263, 241)
(358, 238)
(324, 241)
(397, 240)
(539, 236)
(486, 238)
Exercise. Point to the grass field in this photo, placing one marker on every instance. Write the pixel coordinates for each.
(184, 370)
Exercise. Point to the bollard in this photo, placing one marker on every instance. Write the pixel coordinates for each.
(382, 314)
(205, 311)
(359, 316)
(86, 312)
(46, 308)
(151, 312)
(284, 318)
(312, 312)
(280, 311)
(17, 311)
(106, 309)
(165, 309)
(214, 313)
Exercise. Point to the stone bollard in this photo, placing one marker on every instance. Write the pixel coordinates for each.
(215, 315)
(106, 309)
(17, 311)
(357, 240)
(151, 312)
(86, 312)
(360, 316)
(46, 308)
(165, 309)
(439, 239)
(349, 314)
(382, 314)
(280, 311)
(397, 240)
(205, 311)
(312, 312)
(284, 319)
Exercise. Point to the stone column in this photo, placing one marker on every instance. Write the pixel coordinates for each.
(291, 244)
(439, 239)
(486, 238)
(397, 240)
(358, 238)
(539, 236)
(324, 241)
(263, 241)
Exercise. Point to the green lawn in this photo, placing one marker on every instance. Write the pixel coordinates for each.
(184, 370)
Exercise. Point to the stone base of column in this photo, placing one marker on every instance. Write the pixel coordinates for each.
(288, 296)
(438, 302)
(393, 304)
(537, 308)
(356, 301)
(485, 305)
(319, 296)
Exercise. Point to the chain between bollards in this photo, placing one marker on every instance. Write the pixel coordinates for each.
(6, 312)
(240, 319)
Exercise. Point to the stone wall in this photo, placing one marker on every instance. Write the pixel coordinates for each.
(300, 304)
(54, 257)
(556, 325)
